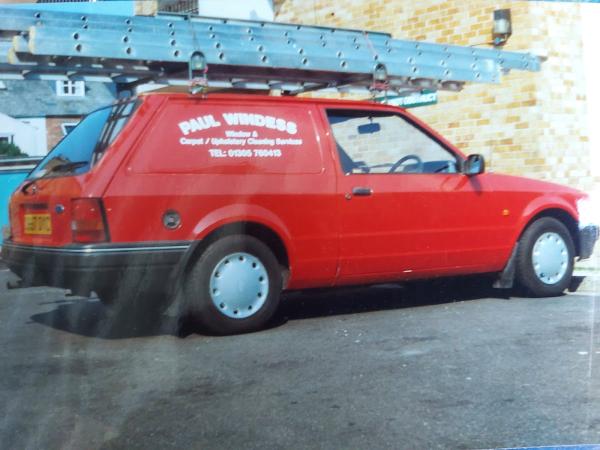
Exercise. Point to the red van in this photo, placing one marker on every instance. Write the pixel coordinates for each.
(221, 201)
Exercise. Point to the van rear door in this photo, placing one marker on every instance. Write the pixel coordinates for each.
(40, 209)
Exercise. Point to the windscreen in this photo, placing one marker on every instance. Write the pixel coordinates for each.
(85, 145)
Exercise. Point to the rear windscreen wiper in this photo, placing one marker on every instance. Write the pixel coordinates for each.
(68, 166)
(63, 167)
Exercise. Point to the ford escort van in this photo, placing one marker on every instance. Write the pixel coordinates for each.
(222, 201)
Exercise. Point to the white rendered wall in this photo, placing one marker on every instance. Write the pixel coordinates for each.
(237, 9)
(37, 128)
(29, 137)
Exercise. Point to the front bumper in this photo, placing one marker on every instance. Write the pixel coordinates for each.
(588, 235)
(85, 268)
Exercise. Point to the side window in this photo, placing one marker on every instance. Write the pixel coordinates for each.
(376, 142)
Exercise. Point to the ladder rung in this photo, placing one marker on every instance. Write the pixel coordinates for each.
(159, 47)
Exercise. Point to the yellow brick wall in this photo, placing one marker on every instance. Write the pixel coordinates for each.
(531, 124)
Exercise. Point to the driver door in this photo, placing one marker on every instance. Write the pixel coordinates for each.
(402, 199)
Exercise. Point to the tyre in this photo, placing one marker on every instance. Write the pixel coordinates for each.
(545, 258)
(233, 287)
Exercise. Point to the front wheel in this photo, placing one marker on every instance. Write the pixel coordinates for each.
(545, 258)
(234, 286)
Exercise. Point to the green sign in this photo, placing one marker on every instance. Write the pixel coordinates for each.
(424, 98)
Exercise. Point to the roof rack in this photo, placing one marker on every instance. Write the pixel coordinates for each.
(37, 44)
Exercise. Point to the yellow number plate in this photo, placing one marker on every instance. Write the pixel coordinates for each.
(38, 224)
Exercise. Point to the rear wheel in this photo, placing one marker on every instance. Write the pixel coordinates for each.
(234, 286)
(545, 258)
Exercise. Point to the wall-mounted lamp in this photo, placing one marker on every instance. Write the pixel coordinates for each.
(502, 27)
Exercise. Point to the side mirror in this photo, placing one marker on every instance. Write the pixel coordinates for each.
(474, 165)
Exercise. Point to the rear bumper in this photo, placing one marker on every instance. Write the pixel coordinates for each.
(85, 268)
(588, 236)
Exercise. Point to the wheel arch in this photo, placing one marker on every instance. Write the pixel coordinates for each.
(255, 229)
(562, 216)
(506, 278)
(258, 230)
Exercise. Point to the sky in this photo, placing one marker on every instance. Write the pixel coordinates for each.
(117, 7)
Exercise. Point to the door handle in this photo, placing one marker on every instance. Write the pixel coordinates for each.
(362, 191)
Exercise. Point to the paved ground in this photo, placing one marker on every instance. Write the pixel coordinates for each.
(430, 366)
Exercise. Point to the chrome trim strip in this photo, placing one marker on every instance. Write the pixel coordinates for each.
(97, 250)
(126, 249)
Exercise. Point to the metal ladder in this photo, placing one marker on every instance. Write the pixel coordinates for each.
(236, 54)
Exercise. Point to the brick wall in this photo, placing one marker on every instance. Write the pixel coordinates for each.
(531, 124)
(54, 132)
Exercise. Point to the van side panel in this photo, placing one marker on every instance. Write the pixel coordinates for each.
(224, 162)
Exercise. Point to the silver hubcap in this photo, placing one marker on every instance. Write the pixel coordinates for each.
(550, 258)
(239, 285)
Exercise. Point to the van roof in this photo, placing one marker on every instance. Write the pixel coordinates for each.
(264, 98)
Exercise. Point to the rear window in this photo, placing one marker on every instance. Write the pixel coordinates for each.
(85, 145)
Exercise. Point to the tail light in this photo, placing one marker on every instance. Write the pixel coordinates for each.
(7, 230)
(88, 222)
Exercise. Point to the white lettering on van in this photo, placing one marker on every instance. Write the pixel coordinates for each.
(227, 141)
(288, 141)
(198, 123)
(217, 153)
(259, 120)
(237, 134)
(186, 141)
(253, 141)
